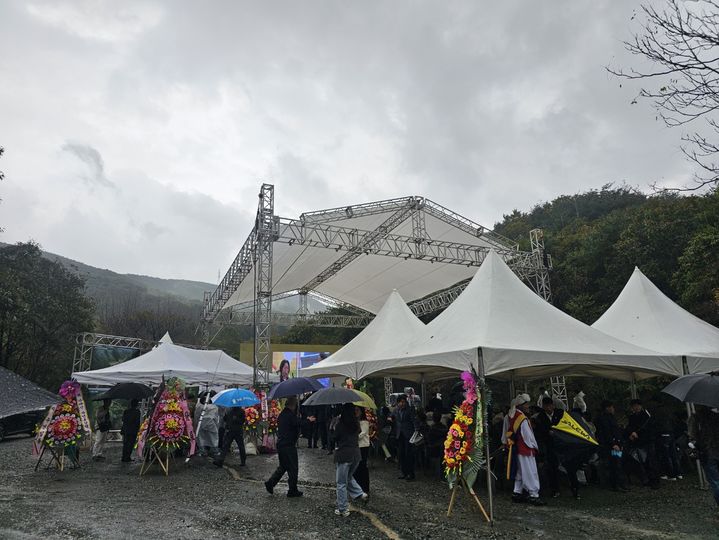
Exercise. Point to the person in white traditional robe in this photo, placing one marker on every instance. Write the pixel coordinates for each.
(518, 437)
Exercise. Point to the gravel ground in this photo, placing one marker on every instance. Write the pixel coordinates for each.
(110, 500)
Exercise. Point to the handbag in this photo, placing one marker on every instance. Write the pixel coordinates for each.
(416, 439)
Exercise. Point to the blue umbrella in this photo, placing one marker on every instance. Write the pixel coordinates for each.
(294, 387)
(235, 397)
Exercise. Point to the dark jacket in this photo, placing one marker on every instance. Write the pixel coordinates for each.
(608, 431)
(704, 429)
(543, 427)
(235, 420)
(347, 445)
(130, 422)
(405, 422)
(288, 428)
(642, 424)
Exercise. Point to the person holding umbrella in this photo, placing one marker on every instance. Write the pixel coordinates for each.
(288, 432)
(702, 389)
(234, 428)
(704, 435)
(347, 459)
(130, 427)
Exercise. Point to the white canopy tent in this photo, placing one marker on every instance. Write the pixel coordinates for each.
(391, 332)
(519, 333)
(194, 366)
(645, 316)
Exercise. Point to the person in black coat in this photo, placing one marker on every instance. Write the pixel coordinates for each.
(404, 424)
(549, 416)
(234, 431)
(609, 437)
(130, 427)
(640, 435)
(288, 431)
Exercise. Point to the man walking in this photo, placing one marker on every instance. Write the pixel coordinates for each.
(234, 427)
(404, 427)
(288, 431)
(519, 439)
(102, 427)
(130, 427)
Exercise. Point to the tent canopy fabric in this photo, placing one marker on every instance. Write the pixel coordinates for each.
(389, 334)
(194, 366)
(519, 333)
(645, 316)
(368, 280)
(19, 395)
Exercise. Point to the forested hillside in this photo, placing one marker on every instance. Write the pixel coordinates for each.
(598, 237)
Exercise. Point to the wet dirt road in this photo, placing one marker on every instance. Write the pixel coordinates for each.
(110, 500)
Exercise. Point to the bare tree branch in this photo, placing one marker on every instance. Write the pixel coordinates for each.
(682, 41)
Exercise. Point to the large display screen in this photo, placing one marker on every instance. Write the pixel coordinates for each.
(288, 364)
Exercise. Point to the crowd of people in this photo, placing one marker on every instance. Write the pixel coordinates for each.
(649, 446)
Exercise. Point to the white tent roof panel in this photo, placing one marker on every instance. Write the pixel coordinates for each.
(389, 333)
(645, 316)
(519, 333)
(167, 360)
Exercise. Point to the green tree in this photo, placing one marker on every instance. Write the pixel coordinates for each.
(42, 307)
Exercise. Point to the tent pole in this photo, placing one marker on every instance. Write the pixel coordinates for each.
(512, 386)
(485, 427)
(633, 387)
(423, 389)
(690, 412)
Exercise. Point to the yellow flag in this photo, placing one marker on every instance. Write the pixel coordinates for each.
(571, 426)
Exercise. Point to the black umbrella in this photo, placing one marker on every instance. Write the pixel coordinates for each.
(332, 396)
(127, 391)
(699, 388)
(294, 387)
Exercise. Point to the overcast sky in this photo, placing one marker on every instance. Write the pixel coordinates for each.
(137, 134)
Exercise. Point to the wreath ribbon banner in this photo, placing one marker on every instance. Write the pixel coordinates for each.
(37, 444)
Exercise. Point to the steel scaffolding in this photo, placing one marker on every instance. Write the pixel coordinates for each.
(86, 342)
(266, 227)
(320, 229)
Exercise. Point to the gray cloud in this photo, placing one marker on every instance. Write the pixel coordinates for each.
(93, 159)
(483, 107)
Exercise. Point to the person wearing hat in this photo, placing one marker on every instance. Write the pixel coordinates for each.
(518, 438)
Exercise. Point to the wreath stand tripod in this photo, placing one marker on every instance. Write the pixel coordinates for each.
(156, 457)
(470, 492)
(57, 457)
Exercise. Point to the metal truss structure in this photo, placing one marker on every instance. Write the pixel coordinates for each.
(323, 230)
(86, 342)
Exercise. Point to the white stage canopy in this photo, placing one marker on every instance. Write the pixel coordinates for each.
(645, 316)
(520, 334)
(194, 366)
(369, 279)
(389, 334)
